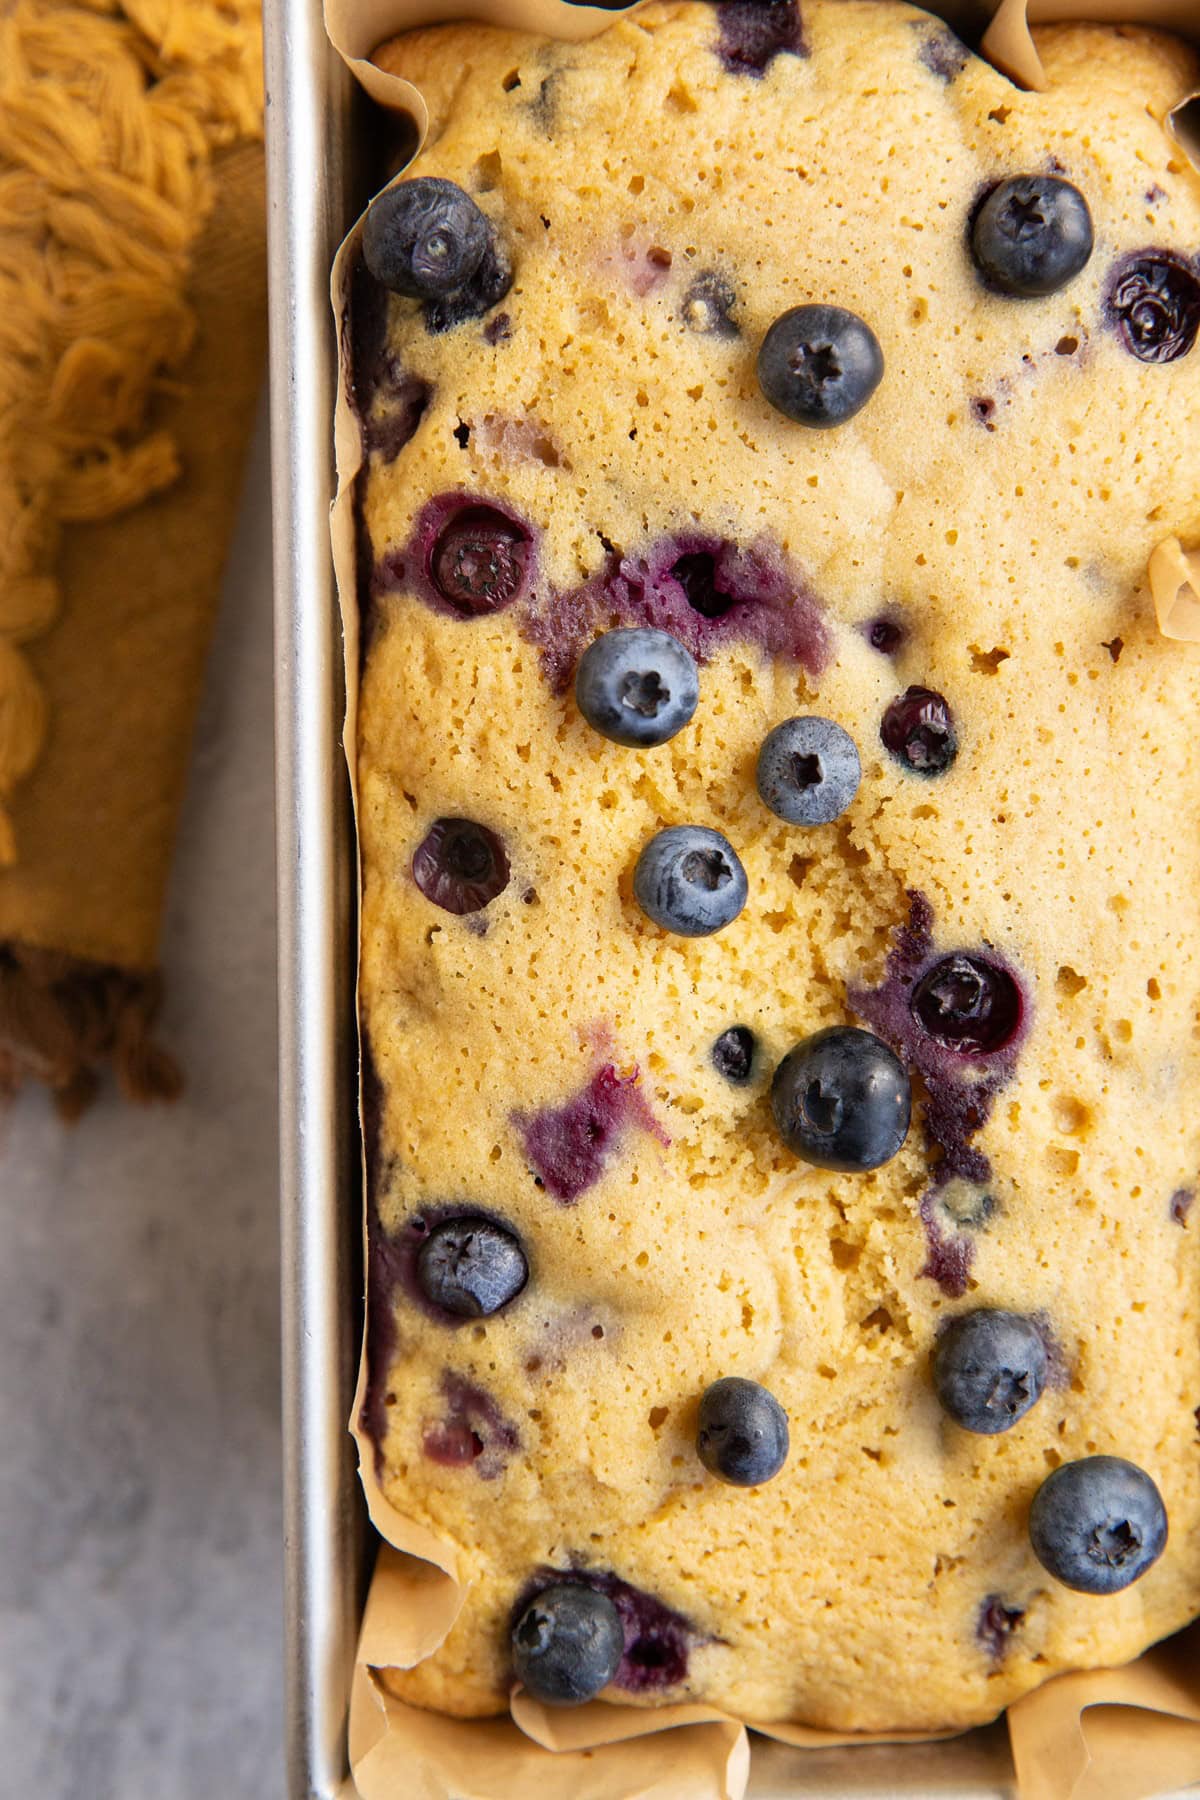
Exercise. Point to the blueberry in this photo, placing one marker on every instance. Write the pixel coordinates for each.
(637, 686)
(918, 730)
(425, 238)
(885, 635)
(689, 880)
(460, 865)
(1098, 1524)
(743, 1432)
(471, 1267)
(479, 561)
(819, 365)
(1031, 235)
(567, 1644)
(733, 1054)
(989, 1368)
(970, 1004)
(842, 1100)
(1154, 302)
(808, 771)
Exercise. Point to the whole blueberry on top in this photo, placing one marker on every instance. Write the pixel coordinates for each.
(743, 1432)
(460, 865)
(808, 771)
(918, 730)
(479, 561)
(733, 1054)
(1098, 1524)
(969, 1003)
(1031, 235)
(471, 1267)
(1154, 301)
(567, 1644)
(819, 365)
(842, 1100)
(989, 1368)
(425, 238)
(637, 686)
(689, 880)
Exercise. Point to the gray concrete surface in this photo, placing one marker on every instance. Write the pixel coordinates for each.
(139, 1318)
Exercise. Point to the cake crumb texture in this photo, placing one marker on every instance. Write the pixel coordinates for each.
(981, 529)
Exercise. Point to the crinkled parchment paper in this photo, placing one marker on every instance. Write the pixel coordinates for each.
(1117, 1734)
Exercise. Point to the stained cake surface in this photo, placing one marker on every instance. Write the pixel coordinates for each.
(1009, 901)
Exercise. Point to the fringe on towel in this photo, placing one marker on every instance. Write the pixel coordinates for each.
(63, 1019)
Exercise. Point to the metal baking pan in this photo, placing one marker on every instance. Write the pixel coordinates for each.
(319, 132)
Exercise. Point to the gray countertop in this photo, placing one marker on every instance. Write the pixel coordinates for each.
(140, 1517)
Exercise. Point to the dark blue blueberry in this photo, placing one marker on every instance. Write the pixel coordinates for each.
(989, 1368)
(637, 686)
(689, 880)
(1098, 1524)
(743, 1432)
(808, 771)
(885, 635)
(707, 305)
(471, 1268)
(460, 865)
(842, 1100)
(1031, 235)
(970, 1004)
(567, 1644)
(425, 238)
(733, 1054)
(819, 365)
(479, 561)
(918, 730)
(1153, 301)
(755, 32)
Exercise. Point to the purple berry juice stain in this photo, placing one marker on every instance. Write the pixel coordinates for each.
(1181, 1205)
(958, 1021)
(570, 1146)
(706, 591)
(471, 1431)
(468, 556)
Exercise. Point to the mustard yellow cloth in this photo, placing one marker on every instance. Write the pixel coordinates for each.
(131, 342)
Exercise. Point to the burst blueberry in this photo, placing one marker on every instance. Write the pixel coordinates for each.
(989, 1369)
(1031, 235)
(460, 866)
(1153, 300)
(689, 880)
(842, 1100)
(1098, 1524)
(918, 730)
(969, 1003)
(637, 686)
(808, 771)
(567, 1644)
(471, 1267)
(743, 1432)
(733, 1054)
(479, 561)
(819, 365)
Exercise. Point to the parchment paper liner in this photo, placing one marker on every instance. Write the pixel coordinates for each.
(1118, 1734)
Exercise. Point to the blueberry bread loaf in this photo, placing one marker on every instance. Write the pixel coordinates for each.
(781, 853)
